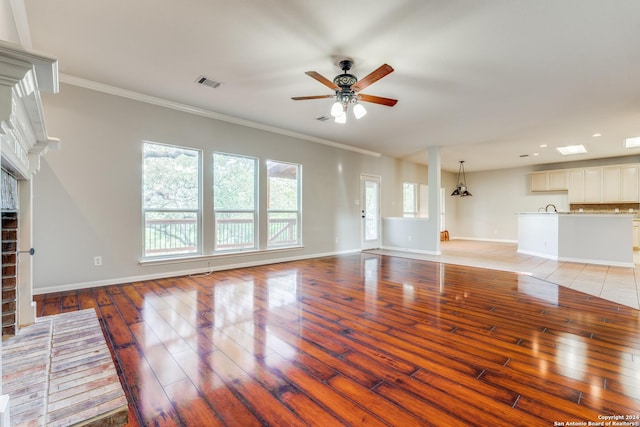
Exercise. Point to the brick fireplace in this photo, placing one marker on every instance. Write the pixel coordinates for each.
(9, 221)
(9, 272)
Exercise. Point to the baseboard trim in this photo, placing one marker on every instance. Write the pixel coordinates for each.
(417, 251)
(478, 239)
(176, 273)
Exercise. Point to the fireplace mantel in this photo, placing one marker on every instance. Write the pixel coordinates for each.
(23, 134)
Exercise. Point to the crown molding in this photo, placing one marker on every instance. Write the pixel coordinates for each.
(137, 96)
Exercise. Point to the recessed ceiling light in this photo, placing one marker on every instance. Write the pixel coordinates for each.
(536, 154)
(632, 142)
(571, 149)
(596, 135)
(543, 146)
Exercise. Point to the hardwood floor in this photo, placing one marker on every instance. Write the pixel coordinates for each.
(366, 339)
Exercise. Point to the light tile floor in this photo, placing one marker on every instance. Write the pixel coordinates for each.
(617, 284)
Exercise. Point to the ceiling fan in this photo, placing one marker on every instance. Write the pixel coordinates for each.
(347, 89)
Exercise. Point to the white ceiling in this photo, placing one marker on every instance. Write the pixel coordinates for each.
(488, 81)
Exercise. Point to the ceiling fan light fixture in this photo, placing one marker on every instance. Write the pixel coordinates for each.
(342, 118)
(337, 109)
(347, 89)
(359, 111)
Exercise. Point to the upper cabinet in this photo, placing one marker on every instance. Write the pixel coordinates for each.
(548, 181)
(538, 181)
(606, 184)
(585, 185)
(620, 183)
(592, 185)
(558, 180)
(576, 186)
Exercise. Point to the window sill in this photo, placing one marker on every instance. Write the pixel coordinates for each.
(199, 257)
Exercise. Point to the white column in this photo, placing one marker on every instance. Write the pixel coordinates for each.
(434, 182)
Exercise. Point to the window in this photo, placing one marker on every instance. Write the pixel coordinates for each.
(423, 201)
(234, 202)
(283, 203)
(409, 199)
(171, 200)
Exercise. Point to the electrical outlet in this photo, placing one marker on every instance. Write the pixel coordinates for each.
(97, 261)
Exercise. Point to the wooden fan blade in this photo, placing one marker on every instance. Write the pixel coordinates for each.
(377, 100)
(302, 98)
(322, 79)
(372, 77)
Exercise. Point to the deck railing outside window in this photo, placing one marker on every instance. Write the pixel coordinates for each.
(171, 236)
(178, 236)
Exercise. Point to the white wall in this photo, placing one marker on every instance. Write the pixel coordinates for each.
(87, 196)
(490, 214)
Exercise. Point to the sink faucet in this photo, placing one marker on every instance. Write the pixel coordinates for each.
(546, 209)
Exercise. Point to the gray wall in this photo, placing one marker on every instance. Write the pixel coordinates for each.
(87, 196)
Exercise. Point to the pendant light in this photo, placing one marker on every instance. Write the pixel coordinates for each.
(461, 189)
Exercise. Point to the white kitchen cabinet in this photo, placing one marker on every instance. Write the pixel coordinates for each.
(576, 186)
(605, 184)
(620, 184)
(538, 181)
(585, 185)
(592, 185)
(636, 234)
(611, 180)
(629, 184)
(548, 181)
(557, 180)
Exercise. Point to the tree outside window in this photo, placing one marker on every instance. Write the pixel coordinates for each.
(171, 200)
(234, 201)
(283, 203)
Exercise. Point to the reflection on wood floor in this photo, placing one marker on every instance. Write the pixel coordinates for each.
(365, 339)
(617, 284)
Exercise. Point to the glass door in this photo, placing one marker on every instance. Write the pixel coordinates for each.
(370, 211)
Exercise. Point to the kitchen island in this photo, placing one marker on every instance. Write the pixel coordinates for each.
(605, 239)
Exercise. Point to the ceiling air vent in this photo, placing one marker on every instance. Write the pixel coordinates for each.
(207, 82)
(323, 118)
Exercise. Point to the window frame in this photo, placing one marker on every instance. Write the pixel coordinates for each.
(197, 210)
(297, 211)
(256, 206)
(416, 209)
